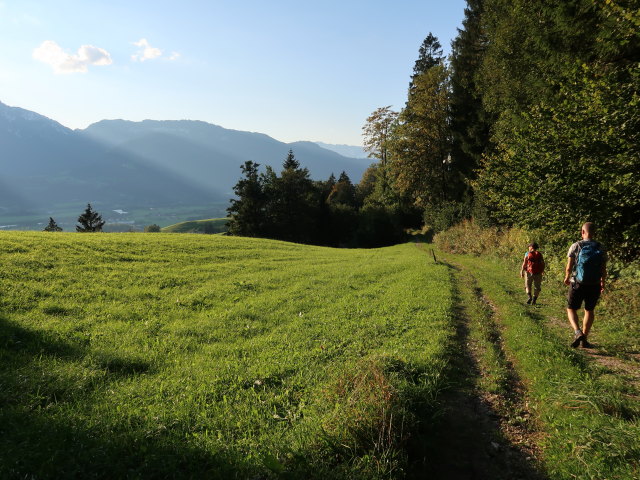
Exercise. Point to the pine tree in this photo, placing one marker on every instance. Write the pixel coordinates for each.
(52, 226)
(470, 122)
(343, 192)
(90, 221)
(430, 55)
(247, 212)
(293, 201)
(290, 163)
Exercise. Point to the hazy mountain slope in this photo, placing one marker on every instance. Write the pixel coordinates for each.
(118, 164)
(350, 151)
(47, 164)
(201, 148)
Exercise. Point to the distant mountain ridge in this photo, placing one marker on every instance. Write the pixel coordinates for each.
(202, 151)
(43, 163)
(122, 164)
(350, 151)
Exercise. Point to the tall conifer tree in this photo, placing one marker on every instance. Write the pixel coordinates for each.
(470, 122)
(90, 221)
(247, 212)
(52, 226)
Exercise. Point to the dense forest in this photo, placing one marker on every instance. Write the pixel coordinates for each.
(532, 121)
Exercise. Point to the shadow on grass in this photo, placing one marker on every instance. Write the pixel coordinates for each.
(45, 431)
(466, 441)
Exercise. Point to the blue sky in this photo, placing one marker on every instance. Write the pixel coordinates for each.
(294, 70)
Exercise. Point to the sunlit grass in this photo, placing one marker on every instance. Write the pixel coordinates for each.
(149, 354)
(591, 425)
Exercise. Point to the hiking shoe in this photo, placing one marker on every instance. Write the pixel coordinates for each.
(529, 301)
(585, 343)
(535, 299)
(576, 341)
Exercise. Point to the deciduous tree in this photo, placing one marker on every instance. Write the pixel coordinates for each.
(422, 140)
(376, 134)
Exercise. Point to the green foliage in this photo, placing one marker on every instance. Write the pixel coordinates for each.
(194, 356)
(442, 216)
(564, 79)
(152, 228)
(377, 133)
(343, 192)
(470, 122)
(381, 225)
(247, 212)
(421, 140)
(90, 221)
(429, 56)
(534, 124)
(337, 213)
(292, 200)
(573, 161)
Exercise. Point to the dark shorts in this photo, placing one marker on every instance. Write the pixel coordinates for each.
(578, 293)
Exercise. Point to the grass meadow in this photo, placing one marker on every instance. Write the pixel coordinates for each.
(192, 356)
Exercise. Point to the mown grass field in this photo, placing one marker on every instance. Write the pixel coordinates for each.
(165, 355)
(204, 356)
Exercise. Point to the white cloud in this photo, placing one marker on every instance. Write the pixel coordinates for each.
(145, 52)
(62, 62)
(174, 56)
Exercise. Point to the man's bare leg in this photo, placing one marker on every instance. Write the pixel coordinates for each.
(587, 321)
(573, 319)
(578, 334)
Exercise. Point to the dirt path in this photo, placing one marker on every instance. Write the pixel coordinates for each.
(487, 429)
(481, 435)
(625, 368)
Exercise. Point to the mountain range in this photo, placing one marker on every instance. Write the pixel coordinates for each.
(121, 165)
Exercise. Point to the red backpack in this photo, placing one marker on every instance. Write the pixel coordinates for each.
(535, 263)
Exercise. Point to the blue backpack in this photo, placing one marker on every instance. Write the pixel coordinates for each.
(589, 262)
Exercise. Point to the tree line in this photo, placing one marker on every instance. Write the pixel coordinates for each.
(291, 206)
(89, 221)
(532, 121)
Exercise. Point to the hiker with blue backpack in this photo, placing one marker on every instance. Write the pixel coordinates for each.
(585, 274)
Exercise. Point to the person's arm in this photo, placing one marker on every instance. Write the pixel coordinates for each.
(568, 270)
(524, 263)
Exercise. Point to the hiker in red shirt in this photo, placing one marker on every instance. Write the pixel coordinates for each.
(531, 271)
